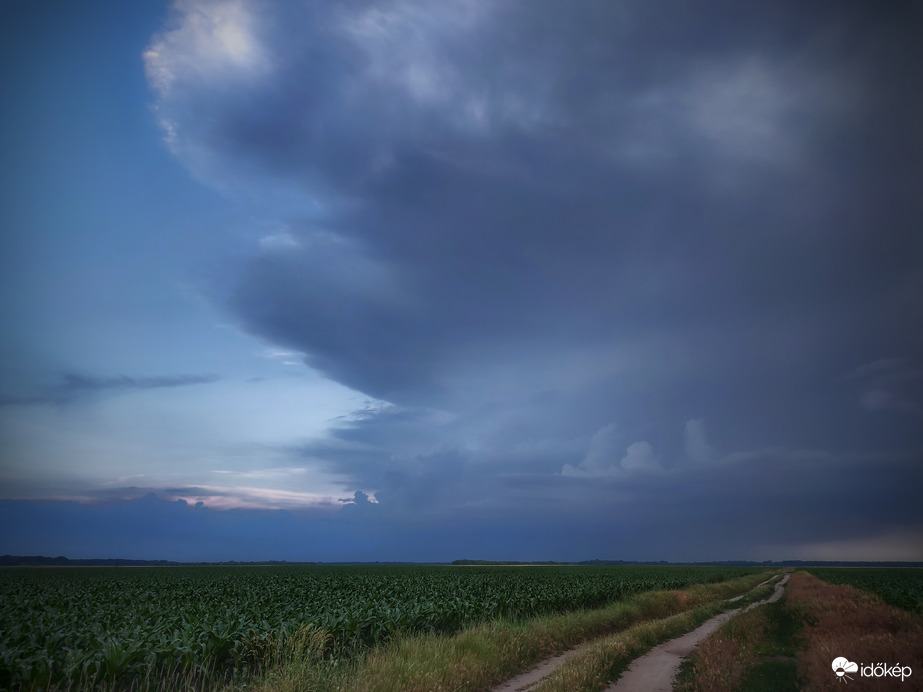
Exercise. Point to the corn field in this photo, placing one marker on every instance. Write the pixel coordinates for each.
(899, 586)
(66, 625)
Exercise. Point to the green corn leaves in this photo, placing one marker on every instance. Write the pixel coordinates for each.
(75, 625)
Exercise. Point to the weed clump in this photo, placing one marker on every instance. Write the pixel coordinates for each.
(720, 662)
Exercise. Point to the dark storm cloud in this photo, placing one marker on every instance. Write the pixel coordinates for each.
(566, 236)
(532, 177)
(74, 386)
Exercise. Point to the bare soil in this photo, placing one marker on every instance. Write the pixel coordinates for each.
(529, 679)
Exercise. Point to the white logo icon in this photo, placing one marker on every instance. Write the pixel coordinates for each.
(841, 666)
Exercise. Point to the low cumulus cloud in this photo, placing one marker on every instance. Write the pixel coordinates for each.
(602, 457)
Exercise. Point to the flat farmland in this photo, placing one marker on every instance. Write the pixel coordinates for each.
(898, 586)
(64, 626)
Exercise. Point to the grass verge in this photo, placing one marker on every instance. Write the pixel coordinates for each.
(775, 669)
(845, 621)
(604, 660)
(299, 654)
(719, 663)
(489, 653)
(752, 652)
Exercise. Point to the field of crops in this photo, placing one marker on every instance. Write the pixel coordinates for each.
(60, 624)
(899, 586)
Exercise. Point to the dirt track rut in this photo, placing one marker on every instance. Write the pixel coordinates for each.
(656, 670)
(652, 672)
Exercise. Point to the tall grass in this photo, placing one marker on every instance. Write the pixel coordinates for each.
(845, 621)
(488, 653)
(720, 662)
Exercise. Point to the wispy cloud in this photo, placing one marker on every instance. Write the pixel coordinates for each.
(216, 497)
(889, 384)
(72, 387)
(696, 442)
(225, 498)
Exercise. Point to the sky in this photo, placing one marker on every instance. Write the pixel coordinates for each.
(419, 280)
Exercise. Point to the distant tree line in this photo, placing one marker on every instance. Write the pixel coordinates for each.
(715, 563)
(61, 561)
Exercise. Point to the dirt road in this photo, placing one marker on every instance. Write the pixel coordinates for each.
(655, 671)
(529, 679)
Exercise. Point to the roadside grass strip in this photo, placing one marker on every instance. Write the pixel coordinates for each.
(751, 652)
(492, 652)
(842, 621)
(604, 660)
(775, 668)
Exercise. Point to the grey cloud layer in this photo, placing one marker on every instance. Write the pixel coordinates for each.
(539, 220)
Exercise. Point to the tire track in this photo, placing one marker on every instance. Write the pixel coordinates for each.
(531, 678)
(656, 670)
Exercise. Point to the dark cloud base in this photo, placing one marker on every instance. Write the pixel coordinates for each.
(771, 505)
